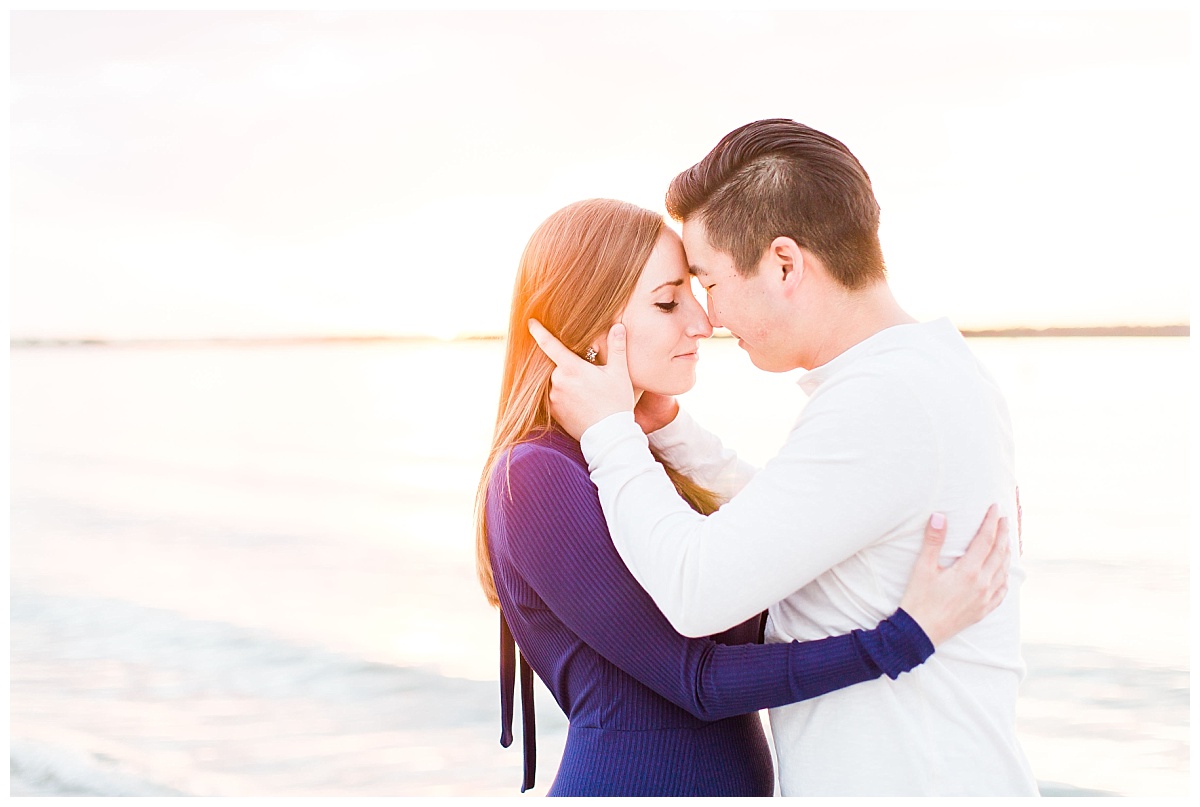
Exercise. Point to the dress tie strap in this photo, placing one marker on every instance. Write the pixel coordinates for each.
(508, 657)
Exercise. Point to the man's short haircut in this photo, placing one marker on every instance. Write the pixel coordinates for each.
(779, 177)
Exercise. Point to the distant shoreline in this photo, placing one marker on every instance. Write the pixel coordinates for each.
(1107, 330)
(1101, 331)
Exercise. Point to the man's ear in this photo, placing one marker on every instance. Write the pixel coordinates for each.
(787, 262)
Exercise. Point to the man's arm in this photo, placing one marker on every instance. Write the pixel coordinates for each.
(859, 467)
(569, 561)
(847, 477)
(701, 456)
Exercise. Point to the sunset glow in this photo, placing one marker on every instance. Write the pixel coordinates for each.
(271, 174)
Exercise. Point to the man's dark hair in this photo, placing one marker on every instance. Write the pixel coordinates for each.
(779, 177)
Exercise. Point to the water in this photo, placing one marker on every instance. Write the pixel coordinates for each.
(249, 571)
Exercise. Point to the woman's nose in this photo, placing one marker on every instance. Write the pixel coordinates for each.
(699, 326)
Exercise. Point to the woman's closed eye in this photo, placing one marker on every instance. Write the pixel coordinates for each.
(666, 307)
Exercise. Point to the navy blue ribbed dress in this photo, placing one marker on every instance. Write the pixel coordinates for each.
(651, 713)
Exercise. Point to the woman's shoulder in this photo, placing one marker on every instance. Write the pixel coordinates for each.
(546, 459)
(548, 447)
(542, 475)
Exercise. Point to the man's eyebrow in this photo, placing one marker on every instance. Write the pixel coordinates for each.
(696, 270)
(668, 283)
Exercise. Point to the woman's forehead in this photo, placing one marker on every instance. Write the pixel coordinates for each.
(666, 265)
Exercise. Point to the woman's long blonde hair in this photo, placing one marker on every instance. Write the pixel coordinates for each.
(577, 273)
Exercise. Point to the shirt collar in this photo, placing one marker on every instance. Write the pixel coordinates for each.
(896, 334)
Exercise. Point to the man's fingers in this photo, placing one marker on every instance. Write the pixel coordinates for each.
(549, 344)
(616, 359)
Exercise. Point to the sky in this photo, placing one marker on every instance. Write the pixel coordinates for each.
(225, 174)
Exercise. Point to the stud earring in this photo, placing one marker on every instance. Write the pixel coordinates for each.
(590, 355)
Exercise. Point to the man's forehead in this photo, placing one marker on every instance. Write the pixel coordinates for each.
(695, 239)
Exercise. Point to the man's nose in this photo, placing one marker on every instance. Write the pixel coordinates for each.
(713, 321)
(697, 322)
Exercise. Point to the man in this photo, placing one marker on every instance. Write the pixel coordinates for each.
(780, 226)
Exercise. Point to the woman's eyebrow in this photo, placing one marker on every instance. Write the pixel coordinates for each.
(668, 283)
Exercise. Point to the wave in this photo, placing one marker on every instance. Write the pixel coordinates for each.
(46, 769)
(115, 698)
(214, 658)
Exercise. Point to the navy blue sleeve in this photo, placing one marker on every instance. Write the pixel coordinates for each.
(560, 545)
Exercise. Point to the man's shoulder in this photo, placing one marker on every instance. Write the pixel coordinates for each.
(877, 383)
(903, 393)
(920, 362)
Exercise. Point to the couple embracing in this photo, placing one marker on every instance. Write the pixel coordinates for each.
(663, 589)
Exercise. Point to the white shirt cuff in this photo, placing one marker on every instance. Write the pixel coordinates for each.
(601, 437)
(674, 433)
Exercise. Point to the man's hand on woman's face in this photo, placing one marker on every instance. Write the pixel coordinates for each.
(582, 394)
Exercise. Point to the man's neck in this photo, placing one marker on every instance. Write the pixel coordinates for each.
(852, 317)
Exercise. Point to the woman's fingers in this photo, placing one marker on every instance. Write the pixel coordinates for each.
(935, 539)
(984, 541)
(997, 559)
(995, 568)
(996, 599)
(943, 601)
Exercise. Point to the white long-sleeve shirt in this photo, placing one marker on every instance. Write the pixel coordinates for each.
(899, 426)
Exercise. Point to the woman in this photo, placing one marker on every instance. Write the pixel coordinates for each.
(651, 712)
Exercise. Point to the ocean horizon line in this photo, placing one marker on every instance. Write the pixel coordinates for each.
(1176, 330)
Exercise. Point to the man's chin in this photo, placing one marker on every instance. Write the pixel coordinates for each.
(755, 359)
(765, 365)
